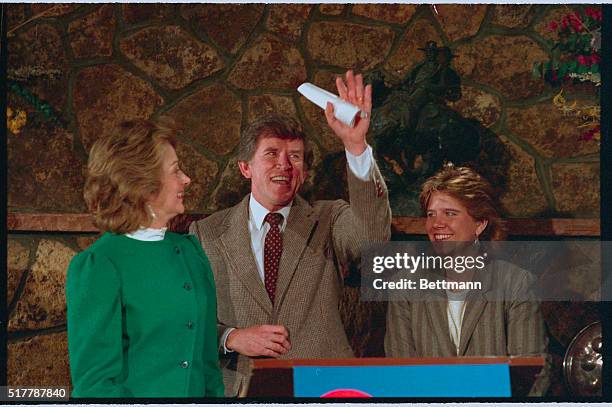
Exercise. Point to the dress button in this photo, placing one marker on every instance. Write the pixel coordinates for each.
(184, 364)
(190, 324)
(177, 250)
(187, 286)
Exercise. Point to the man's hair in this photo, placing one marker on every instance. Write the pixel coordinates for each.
(271, 125)
(124, 171)
(473, 191)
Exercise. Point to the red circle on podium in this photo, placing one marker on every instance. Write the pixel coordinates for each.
(345, 393)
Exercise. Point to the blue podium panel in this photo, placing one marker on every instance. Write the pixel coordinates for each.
(483, 380)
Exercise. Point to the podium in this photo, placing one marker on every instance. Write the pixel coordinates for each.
(394, 377)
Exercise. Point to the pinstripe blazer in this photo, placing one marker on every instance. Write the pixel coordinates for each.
(317, 240)
(502, 319)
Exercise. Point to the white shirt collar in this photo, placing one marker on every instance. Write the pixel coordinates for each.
(459, 295)
(258, 213)
(148, 234)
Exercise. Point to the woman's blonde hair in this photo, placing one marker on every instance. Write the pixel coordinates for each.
(473, 191)
(124, 172)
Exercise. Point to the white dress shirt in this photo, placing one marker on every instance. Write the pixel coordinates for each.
(148, 234)
(454, 311)
(360, 166)
(258, 229)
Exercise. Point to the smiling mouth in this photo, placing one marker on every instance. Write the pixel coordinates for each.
(281, 180)
(441, 237)
(180, 195)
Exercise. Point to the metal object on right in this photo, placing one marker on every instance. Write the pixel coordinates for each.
(583, 362)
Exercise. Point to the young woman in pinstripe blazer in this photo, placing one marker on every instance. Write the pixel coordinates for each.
(493, 321)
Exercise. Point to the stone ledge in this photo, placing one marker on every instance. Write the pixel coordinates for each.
(50, 222)
(72, 222)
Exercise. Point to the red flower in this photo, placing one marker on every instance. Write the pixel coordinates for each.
(593, 13)
(575, 21)
(598, 15)
(564, 23)
(553, 26)
(590, 11)
(584, 60)
(590, 134)
(595, 59)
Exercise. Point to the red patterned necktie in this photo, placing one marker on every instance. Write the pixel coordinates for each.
(273, 248)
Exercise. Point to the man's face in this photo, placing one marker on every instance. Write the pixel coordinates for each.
(277, 171)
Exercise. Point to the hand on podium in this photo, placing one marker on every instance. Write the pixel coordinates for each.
(260, 340)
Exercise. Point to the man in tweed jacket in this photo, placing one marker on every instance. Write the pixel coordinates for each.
(303, 319)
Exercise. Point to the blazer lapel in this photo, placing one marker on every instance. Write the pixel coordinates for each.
(435, 305)
(474, 307)
(237, 243)
(295, 239)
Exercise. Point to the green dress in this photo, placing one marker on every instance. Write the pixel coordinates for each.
(142, 319)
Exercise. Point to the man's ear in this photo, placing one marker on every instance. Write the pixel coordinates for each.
(482, 225)
(245, 169)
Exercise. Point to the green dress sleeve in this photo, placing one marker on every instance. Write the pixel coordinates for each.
(94, 314)
(214, 378)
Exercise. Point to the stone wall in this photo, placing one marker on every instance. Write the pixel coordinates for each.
(213, 69)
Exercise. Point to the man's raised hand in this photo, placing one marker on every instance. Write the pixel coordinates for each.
(353, 138)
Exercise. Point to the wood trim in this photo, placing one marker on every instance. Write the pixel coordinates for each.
(50, 222)
(517, 226)
(82, 223)
(554, 227)
(288, 363)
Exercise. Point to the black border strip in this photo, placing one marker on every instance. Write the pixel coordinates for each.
(606, 193)
(3, 192)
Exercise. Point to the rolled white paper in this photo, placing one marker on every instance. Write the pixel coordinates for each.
(343, 111)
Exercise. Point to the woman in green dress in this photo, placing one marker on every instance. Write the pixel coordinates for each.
(141, 300)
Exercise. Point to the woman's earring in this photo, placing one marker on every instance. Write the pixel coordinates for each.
(476, 242)
(151, 212)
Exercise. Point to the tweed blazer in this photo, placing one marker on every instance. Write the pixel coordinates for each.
(318, 239)
(502, 319)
